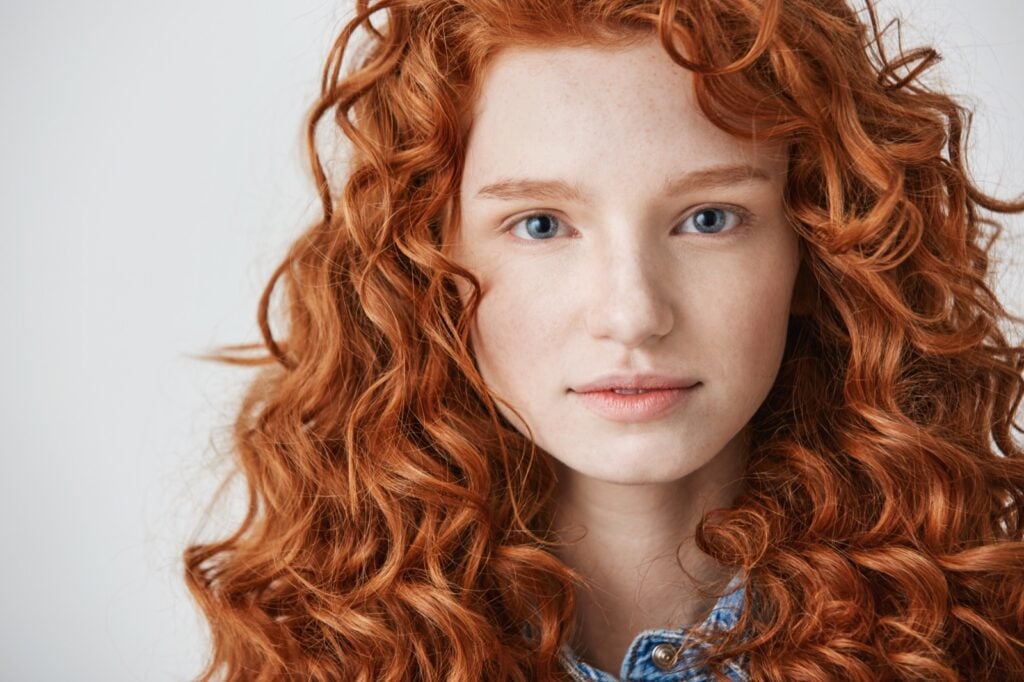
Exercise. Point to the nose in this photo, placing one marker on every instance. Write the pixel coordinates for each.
(630, 299)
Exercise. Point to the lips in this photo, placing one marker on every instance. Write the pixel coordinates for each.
(636, 397)
(643, 406)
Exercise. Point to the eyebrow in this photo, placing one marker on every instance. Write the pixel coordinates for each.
(714, 176)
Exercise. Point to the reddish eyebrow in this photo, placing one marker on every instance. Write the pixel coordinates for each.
(715, 176)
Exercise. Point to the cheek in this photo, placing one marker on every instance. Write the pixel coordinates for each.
(754, 321)
(514, 335)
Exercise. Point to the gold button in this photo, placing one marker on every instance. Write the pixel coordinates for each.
(664, 656)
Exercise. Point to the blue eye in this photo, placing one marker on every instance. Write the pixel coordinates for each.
(710, 220)
(713, 220)
(539, 226)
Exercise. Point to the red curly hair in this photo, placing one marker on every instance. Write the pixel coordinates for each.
(398, 527)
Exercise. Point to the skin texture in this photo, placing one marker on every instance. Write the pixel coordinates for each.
(622, 280)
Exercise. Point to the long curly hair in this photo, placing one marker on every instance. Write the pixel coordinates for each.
(399, 528)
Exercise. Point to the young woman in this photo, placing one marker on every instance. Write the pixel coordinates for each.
(640, 341)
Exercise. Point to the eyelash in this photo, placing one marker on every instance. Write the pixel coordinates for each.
(745, 218)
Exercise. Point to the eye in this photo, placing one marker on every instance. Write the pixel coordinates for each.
(537, 227)
(715, 219)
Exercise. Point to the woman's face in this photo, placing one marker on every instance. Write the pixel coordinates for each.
(615, 230)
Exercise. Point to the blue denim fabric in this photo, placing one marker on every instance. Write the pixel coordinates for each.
(638, 665)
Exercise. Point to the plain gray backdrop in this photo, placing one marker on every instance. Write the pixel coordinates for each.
(152, 176)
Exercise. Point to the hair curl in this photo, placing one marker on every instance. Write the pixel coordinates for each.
(398, 527)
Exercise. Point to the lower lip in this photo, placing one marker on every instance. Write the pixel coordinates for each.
(636, 407)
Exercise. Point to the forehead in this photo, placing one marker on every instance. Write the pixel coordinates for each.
(590, 110)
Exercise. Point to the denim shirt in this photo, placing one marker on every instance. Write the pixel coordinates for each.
(651, 647)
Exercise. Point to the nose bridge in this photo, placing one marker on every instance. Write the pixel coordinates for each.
(630, 298)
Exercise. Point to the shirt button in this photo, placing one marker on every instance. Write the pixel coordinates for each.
(664, 656)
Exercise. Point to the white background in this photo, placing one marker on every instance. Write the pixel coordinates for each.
(151, 177)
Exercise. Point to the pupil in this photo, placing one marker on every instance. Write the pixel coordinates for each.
(540, 225)
(702, 223)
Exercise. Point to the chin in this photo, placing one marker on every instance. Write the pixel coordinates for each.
(632, 469)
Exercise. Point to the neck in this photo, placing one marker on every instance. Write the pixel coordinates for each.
(634, 544)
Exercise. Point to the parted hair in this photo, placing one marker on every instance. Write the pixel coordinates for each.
(398, 527)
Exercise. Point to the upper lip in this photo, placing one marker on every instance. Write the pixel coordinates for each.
(608, 382)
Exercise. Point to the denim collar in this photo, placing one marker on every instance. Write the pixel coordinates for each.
(639, 666)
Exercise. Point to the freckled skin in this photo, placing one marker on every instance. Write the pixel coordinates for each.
(622, 286)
